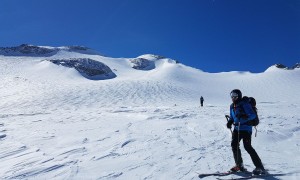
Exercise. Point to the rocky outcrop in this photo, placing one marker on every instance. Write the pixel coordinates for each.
(281, 66)
(142, 64)
(42, 51)
(27, 50)
(89, 68)
(297, 65)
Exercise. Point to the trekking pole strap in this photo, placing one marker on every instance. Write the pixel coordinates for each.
(255, 131)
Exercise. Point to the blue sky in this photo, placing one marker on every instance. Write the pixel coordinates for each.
(211, 35)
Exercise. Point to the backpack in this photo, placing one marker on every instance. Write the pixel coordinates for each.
(252, 102)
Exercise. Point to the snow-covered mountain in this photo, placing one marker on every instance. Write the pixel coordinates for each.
(71, 113)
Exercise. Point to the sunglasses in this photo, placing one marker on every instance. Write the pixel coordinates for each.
(234, 95)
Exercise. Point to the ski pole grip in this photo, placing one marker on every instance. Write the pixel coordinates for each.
(227, 117)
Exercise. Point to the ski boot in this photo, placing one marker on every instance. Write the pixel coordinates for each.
(238, 168)
(259, 171)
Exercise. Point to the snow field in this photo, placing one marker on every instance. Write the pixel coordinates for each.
(55, 124)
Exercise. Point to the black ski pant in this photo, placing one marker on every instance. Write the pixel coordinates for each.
(246, 136)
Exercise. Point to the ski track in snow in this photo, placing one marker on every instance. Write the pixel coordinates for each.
(137, 129)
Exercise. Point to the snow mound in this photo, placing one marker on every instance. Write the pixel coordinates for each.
(79, 49)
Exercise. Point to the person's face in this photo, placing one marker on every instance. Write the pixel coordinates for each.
(234, 96)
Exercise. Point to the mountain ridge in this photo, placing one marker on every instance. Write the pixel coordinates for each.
(32, 50)
(142, 62)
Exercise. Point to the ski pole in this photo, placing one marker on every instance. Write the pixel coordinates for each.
(228, 117)
(238, 144)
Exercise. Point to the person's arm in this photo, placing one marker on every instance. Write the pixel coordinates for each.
(230, 121)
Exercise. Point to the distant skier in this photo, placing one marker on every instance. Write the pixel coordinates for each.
(240, 114)
(201, 101)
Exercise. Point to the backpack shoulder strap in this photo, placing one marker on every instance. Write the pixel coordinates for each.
(245, 100)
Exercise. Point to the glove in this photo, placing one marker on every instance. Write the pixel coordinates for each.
(229, 124)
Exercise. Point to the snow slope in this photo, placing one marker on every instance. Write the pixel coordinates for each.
(143, 124)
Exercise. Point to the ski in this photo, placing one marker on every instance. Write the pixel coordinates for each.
(202, 175)
(214, 174)
(252, 176)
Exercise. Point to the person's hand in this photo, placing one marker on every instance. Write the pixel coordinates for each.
(229, 124)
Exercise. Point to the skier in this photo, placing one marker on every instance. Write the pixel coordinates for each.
(240, 114)
(201, 101)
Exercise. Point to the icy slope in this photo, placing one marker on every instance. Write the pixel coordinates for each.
(142, 124)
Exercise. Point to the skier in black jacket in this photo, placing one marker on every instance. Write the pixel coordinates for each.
(201, 101)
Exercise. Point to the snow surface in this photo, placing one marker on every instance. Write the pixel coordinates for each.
(57, 124)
